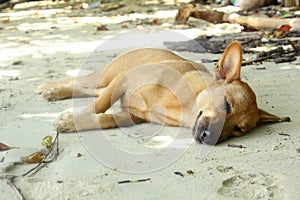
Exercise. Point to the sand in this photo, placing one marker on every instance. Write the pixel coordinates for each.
(39, 45)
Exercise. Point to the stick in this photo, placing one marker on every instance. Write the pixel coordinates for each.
(10, 182)
(276, 55)
(236, 145)
(11, 4)
(292, 44)
(262, 22)
(284, 134)
(134, 181)
(220, 17)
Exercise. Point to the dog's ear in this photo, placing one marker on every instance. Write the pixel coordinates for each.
(229, 66)
(265, 117)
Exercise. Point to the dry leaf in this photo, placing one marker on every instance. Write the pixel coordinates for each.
(4, 147)
(284, 28)
(101, 28)
(47, 141)
(36, 157)
(5, 21)
(156, 22)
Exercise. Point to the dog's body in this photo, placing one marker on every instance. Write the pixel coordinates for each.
(156, 85)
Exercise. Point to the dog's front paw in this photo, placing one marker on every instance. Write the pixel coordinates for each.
(66, 123)
(73, 122)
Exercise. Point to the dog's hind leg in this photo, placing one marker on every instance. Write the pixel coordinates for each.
(109, 95)
(77, 87)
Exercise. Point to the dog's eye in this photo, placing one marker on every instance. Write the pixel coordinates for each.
(200, 113)
(196, 122)
(227, 106)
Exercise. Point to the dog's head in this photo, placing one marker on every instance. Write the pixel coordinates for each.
(228, 107)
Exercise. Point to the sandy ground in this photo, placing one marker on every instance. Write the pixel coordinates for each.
(39, 45)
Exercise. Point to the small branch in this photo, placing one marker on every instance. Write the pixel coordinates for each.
(47, 155)
(277, 56)
(237, 146)
(284, 134)
(292, 44)
(134, 181)
(184, 13)
(11, 3)
(10, 181)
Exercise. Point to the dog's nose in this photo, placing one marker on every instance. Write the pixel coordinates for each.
(205, 135)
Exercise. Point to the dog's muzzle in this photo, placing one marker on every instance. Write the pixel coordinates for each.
(203, 130)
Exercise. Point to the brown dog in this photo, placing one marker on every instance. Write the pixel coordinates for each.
(156, 85)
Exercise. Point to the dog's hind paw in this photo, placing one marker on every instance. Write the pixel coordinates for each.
(53, 94)
(55, 90)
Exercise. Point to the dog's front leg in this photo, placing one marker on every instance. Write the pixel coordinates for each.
(93, 116)
(71, 122)
(109, 95)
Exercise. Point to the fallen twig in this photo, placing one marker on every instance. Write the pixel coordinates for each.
(216, 44)
(292, 44)
(10, 181)
(278, 55)
(284, 134)
(179, 174)
(134, 181)
(220, 17)
(45, 160)
(11, 3)
(237, 146)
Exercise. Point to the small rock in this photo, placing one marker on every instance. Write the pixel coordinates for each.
(190, 172)
(14, 78)
(18, 62)
(94, 5)
(77, 155)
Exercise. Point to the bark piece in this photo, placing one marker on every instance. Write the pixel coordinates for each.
(216, 44)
